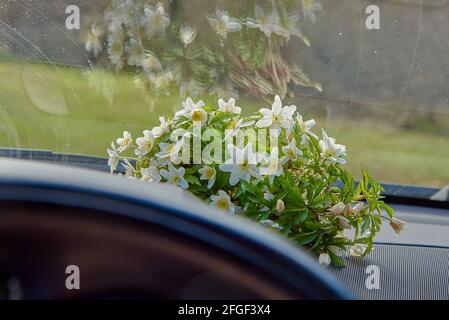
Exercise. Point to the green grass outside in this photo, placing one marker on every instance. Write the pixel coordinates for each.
(49, 107)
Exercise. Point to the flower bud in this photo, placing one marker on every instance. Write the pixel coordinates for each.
(187, 35)
(280, 206)
(357, 208)
(338, 208)
(358, 250)
(343, 222)
(397, 225)
(324, 259)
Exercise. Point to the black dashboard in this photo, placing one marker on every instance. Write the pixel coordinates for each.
(136, 243)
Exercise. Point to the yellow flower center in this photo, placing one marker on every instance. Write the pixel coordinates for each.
(222, 204)
(290, 153)
(232, 124)
(197, 115)
(221, 26)
(277, 118)
(245, 165)
(330, 153)
(209, 173)
(171, 148)
(157, 21)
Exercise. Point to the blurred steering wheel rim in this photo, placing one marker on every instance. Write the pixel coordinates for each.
(60, 185)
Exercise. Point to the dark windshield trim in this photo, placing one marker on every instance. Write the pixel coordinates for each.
(394, 193)
(90, 162)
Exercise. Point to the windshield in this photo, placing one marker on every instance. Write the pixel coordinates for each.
(76, 74)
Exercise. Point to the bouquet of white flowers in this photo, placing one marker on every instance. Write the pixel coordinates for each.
(269, 167)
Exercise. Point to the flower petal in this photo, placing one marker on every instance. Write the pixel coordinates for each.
(264, 122)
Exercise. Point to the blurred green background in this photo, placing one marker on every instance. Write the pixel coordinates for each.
(57, 108)
(386, 92)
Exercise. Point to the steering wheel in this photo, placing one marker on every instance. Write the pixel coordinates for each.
(130, 239)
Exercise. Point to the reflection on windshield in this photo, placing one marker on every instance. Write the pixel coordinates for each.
(383, 92)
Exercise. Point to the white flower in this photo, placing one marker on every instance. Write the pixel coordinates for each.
(291, 151)
(278, 116)
(208, 173)
(163, 128)
(155, 20)
(115, 47)
(187, 35)
(129, 168)
(170, 150)
(309, 7)
(188, 107)
(136, 52)
(268, 24)
(290, 27)
(115, 51)
(397, 225)
(234, 126)
(113, 157)
(324, 259)
(305, 127)
(222, 201)
(125, 13)
(358, 250)
(228, 106)
(125, 142)
(268, 196)
(93, 43)
(268, 223)
(144, 144)
(223, 24)
(161, 81)
(241, 165)
(175, 176)
(332, 151)
(151, 63)
(199, 116)
(274, 168)
(150, 174)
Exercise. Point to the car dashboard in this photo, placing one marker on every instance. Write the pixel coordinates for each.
(413, 266)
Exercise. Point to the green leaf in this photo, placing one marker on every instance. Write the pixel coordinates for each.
(387, 208)
(336, 260)
(305, 238)
(302, 216)
(221, 117)
(193, 180)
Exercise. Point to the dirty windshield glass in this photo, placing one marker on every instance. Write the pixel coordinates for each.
(76, 74)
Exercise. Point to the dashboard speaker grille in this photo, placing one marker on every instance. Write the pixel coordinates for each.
(404, 273)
